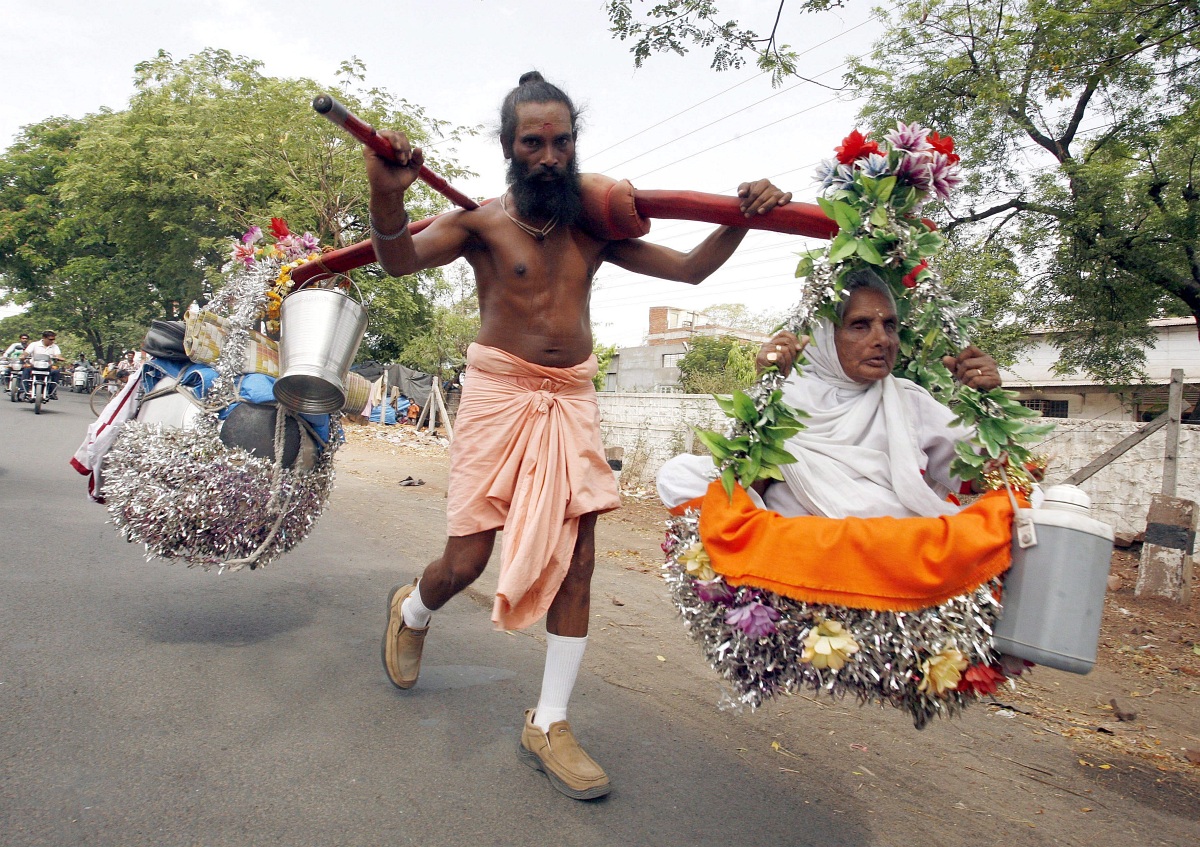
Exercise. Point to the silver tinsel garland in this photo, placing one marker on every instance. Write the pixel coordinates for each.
(184, 494)
(887, 669)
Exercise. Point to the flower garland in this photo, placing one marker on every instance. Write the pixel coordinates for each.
(289, 250)
(932, 662)
(184, 493)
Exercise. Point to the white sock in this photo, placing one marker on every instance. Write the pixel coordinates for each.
(415, 615)
(563, 657)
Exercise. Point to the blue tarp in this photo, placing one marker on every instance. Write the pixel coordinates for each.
(253, 388)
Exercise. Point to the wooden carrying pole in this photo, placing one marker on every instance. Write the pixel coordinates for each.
(630, 213)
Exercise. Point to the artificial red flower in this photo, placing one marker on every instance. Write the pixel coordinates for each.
(981, 679)
(855, 146)
(279, 228)
(943, 144)
(910, 278)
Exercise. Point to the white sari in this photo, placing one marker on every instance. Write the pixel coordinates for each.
(868, 450)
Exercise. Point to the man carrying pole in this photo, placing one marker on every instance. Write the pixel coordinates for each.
(527, 457)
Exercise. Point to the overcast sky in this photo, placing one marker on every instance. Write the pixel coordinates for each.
(674, 124)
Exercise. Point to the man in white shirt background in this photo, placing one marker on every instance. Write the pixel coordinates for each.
(49, 347)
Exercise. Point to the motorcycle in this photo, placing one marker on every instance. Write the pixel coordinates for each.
(38, 388)
(6, 369)
(80, 378)
(12, 379)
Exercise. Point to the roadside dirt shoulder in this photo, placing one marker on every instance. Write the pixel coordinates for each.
(1131, 727)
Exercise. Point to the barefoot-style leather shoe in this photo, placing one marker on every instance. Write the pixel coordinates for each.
(557, 754)
(402, 645)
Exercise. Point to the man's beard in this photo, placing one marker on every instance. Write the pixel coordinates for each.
(555, 198)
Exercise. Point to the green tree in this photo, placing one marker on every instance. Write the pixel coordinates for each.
(1077, 121)
(54, 256)
(986, 278)
(440, 347)
(1078, 125)
(670, 26)
(604, 354)
(739, 316)
(130, 215)
(717, 365)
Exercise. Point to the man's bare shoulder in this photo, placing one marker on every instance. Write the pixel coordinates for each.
(477, 221)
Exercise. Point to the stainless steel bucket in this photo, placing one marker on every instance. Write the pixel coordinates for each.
(320, 330)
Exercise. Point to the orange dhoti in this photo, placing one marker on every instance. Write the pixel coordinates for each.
(527, 458)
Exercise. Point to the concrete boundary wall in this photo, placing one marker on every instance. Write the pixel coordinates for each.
(654, 427)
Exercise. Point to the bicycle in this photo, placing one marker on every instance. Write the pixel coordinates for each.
(102, 393)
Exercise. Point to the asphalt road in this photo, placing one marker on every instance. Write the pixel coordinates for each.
(144, 703)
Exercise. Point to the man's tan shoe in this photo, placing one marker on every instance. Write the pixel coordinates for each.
(557, 754)
(402, 644)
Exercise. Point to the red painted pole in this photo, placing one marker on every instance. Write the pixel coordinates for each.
(794, 219)
(364, 132)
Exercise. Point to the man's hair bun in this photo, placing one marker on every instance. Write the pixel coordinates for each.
(530, 76)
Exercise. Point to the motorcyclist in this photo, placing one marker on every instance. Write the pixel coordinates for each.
(49, 347)
(10, 362)
(14, 350)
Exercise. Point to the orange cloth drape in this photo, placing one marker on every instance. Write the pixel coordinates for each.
(885, 564)
(527, 457)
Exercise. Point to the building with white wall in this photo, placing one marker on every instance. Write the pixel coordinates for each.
(1078, 396)
(654, 366)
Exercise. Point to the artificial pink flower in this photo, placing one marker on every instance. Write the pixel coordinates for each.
(253, 234)
(854, 146)
(943, 175)
(756, 619)
(713, 590)
(244, 253)
(291, 248)
(913, 169)
(911, 138)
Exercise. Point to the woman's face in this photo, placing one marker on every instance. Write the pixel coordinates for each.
(867, 341)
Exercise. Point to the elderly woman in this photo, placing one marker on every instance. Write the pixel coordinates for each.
(874, 445)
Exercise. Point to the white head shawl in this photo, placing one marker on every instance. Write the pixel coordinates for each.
(858, 455)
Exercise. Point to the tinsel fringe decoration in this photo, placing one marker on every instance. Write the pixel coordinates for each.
(887, 669)
(184, 494)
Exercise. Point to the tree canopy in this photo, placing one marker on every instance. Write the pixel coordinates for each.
(670, 26)
(717, 365)
(1079, 128)
(130, 215)
(1078, 125)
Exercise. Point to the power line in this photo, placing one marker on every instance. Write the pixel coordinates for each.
(738, 137)
(679, 138)
(870, 19)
